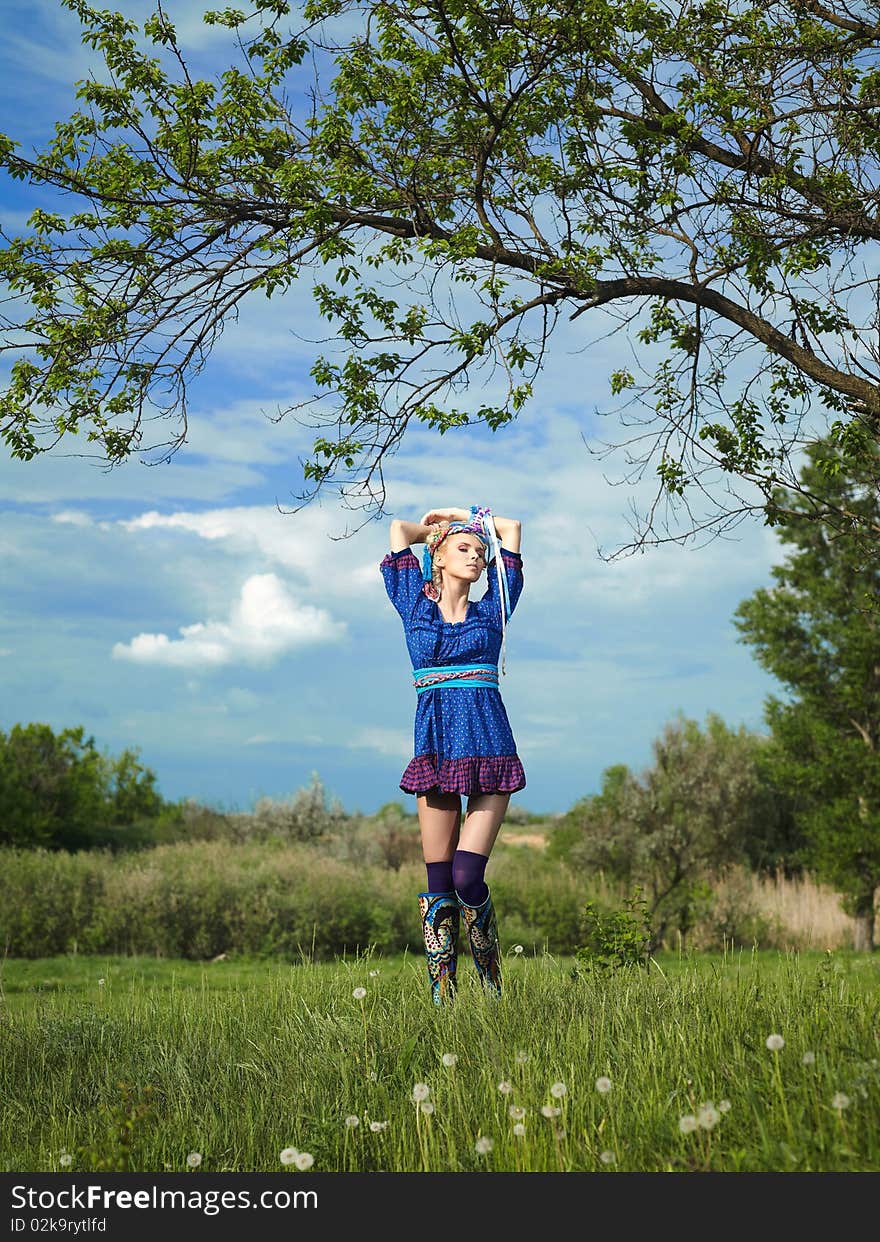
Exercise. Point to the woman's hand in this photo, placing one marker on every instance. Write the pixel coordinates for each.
(445, 515)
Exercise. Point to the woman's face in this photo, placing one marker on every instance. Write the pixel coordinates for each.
(462, 556)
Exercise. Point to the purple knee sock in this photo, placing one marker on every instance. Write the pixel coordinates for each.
(467, 875)
(439, 876)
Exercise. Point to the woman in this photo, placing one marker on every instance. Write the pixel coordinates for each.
(463, 740)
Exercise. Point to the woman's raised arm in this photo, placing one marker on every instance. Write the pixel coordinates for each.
(404, 533)
(509, 532)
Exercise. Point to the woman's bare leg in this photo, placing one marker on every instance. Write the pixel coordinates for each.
(485, 815)
(439, 823)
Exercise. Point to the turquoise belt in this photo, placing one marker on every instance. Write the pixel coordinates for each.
(468, 676)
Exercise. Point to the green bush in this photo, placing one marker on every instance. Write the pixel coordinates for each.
(199, 899)
(541, 900)
(617, 938)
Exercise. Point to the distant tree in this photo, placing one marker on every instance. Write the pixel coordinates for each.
(130, 787)
(461, 174)
(59, 791)
(701, 807)
(306, 815)
(595, 809)
(50, 785)
(818, 632)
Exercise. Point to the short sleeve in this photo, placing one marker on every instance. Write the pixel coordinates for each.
(402, 575)
(513, 571)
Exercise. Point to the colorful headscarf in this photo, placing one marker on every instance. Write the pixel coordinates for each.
(479, 523)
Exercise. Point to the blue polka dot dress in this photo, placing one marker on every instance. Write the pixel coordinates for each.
(462, 738)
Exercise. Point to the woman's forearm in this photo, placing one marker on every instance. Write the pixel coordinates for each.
(509, 532)
(404, 533)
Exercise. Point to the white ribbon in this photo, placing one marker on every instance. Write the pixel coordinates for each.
(503, 596)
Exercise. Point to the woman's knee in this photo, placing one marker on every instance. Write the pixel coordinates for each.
(439, 822)
(492, 804)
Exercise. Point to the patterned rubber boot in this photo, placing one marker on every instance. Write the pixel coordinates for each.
(482, 930)
(440, 922)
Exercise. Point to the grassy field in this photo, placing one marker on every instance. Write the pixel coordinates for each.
(141, 1063)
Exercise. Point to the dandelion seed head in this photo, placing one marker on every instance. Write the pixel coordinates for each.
(608, 1157)
(505, 1088)
(724, 1106)
(359, 993)
(517, 1112)
(376, 1126)
(517, 948)
(483, 1146)
(101, 982)
(708, 1116)
(288, 1155)
(840, 1101)
(603, 1085)
(65, 1159)
(426, 1106)
(688, 1123)
(304, 1160)
(352, 1120)
(450, 1059)
(522, 1058)
(519, 1130)
(775, 1043)
(550, 1110)
(420, 1091)
(558, 1090)
(809, 1058)
(373, 974)
(194, 1159)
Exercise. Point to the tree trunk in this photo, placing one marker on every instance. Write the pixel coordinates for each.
(863, 932)
(863, 906)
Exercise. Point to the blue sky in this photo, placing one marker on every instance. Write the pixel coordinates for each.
(178, 609)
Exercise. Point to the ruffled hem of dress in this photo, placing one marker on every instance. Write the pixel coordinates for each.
(472, 775)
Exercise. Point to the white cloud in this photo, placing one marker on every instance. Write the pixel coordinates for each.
(533, 744)
(391, 743)
(72, 517)
(289, 739)
(264, 623)
(248, 431)
(241, 701)
(301, 543)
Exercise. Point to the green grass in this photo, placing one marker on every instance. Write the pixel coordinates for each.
(238, 1059)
